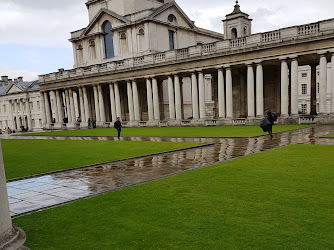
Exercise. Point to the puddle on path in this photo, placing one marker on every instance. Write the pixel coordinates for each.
(54, 189)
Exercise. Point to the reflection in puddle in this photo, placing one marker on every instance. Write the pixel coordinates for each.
(74, 184)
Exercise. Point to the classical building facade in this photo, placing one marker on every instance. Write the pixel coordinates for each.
(20, 104)
(146, 62)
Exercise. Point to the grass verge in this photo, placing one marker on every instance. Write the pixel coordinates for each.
(225, 131)
(279, 199)
(28, 157)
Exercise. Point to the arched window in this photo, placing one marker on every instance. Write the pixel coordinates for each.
(171, 39)
(108, 39)
(141, 39)
(245, 31)
(92, 50)
(234, 33)
(80, 54)
(123, 42)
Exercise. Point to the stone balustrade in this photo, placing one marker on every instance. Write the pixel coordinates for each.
(286, 34)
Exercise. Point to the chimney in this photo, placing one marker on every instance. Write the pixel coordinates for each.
(60, 70)
(15, 80)
(9, 80)
(20, 79)
(4, 78)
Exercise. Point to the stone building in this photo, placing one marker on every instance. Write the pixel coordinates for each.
(147, 62)
(20, 104)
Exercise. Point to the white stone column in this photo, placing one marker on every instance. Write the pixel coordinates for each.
(294, 86)
(30, 127)
(55, 106)
(149, 100)
(59, 107)
(259, 91)
(250, 91)
(178, 108)
(332, 83)
(70, 93)
(101, 104)
(201, 95)
(112, 102)
(194, 95)
(17, 114)
(118, 101)
(284, 88)
(10, 237)
(82, 106)
(229, 93)
(22, 113)
(96, 104)
(323, 85)
(43, 108)
(156, 99)
(68, 108)
(47, 108)
(86, 103)
(171, 98)
(221, 94)
(136, 106)
(130, 101)
(11, 104)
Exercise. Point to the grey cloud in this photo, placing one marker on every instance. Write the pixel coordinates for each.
(45, 4)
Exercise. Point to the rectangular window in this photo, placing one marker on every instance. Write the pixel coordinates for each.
(33, 123)
(304, 74)
(304, 108)
(171, 39)
(4, 108)
(38, 105)
(304, 89)
(40, 122)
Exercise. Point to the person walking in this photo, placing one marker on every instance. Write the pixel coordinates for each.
(268, 122)
(118, 127)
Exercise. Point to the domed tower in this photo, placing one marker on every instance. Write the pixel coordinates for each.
(237, 24)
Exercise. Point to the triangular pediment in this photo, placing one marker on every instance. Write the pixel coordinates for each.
(13, 89)
(102, 14)
(172, 8)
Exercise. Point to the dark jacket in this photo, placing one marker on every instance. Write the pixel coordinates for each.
(117, 125)
(270, 117)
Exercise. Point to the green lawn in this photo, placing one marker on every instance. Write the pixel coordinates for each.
(28, 157)
(225, 131)
(330, 135)
(279, 199)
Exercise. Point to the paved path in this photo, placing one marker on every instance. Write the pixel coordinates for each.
(50, 190)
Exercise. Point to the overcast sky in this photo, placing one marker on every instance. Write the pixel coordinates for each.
(34, 34)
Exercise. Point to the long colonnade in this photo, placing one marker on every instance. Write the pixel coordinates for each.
(103, 103)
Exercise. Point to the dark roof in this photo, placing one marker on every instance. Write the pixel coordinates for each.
(24, 86)
(3, 89)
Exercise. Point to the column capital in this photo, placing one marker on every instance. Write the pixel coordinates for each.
(249, 63)
(227, 66)
(293, 57)
(258, 62)
(283, 58)
(219, 67)
(322, 53)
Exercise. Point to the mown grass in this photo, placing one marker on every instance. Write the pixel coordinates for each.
(225, 131)
(28, 157)
(279, 199)
(330, 135)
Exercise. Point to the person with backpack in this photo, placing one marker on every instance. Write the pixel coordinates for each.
(267, 123)
(118, 127)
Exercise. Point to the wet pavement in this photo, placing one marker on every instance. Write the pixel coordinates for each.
(36, 193)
